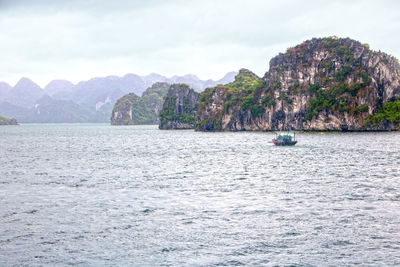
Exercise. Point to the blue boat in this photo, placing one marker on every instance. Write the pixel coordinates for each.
(288, 139)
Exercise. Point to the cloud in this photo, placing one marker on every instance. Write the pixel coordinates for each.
(77, 40)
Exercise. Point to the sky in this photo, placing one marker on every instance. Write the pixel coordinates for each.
(78, 40)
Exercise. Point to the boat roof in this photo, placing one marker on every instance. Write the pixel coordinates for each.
(291, 133)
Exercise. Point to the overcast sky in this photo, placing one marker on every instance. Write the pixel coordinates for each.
(78, 40)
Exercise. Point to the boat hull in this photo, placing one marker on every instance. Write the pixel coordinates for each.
(283, 143)
(291, 143)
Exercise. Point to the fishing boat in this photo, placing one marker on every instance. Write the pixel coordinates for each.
(287, 139)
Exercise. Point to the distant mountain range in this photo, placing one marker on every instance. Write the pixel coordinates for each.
(86, 101)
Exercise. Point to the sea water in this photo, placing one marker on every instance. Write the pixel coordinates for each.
(94, 194)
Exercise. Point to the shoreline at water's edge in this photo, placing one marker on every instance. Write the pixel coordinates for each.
(213, 131)
(272, 131)
(133, 125)
(299, 131)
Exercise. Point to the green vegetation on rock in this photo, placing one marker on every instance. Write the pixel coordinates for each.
(243, 94)
(340, 80)
(179, 108)
(7, 121)
(389, 113)
(132, 109)
(168, 112)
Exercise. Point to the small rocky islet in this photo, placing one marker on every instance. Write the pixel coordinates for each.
(323, 84)
(132, 109)
(8, 121)
(180, 108)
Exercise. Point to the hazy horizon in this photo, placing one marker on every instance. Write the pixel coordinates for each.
(76, 40)
(106, 76)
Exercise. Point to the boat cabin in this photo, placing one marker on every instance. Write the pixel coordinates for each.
(287, 139)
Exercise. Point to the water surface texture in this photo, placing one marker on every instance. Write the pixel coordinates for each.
(100, 195)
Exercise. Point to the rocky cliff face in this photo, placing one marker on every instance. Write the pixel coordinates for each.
(227, 107)
(122, 111)
(179, 109)
(321, 84)
(132, 109)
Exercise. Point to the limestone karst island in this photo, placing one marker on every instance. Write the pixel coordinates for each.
(323, 84)
(8, 121)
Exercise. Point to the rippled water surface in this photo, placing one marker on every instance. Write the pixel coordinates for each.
(102, 195)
